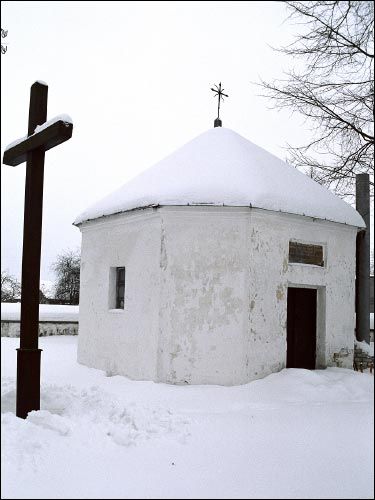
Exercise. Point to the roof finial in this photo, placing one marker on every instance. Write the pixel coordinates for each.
(219, 93)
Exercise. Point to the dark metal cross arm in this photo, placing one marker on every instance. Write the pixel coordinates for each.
(49, 137)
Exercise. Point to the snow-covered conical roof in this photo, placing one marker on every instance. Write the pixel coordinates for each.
(220, 167)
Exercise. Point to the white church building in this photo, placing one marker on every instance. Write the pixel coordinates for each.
(218, 265)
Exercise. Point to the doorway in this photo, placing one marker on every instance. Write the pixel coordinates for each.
(301, 328)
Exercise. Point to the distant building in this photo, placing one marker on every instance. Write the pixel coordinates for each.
(218, 265)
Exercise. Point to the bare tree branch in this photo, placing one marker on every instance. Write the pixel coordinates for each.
(334, 90)
(10, 287)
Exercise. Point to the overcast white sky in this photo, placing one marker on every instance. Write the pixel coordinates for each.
(135, 77)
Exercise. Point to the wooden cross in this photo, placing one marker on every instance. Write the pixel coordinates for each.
(220, 94)
(41, 136)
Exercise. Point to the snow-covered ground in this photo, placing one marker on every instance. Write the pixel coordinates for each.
(47, 312)
(294, 434)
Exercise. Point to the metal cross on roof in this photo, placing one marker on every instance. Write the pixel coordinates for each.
(220, 94)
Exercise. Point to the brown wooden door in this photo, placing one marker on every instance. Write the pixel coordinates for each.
(301, 328)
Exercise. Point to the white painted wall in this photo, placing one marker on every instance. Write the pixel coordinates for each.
(204, 303)
(120, 341)
(271, 275)
(206, 292)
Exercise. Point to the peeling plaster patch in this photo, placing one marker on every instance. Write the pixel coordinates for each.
(276, 367)
(173, 376)
(163, 250)
(280, 295)
(285, 265)
(343, 358)
(205, 301)
(176, 352)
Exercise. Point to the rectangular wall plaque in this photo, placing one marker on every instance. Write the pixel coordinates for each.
(301, 253)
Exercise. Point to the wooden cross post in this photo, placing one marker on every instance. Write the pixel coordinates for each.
(32, 150)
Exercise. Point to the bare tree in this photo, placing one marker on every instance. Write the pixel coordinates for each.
(43, 299)
(67, 270)
(10, 287)
(333, 89)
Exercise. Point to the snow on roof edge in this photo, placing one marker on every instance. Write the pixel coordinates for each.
(78, 222)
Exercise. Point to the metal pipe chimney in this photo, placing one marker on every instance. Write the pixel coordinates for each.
(362, 298)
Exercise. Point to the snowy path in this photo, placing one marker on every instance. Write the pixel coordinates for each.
(295, 434)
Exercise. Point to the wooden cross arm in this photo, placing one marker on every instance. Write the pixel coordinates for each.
(55, 134)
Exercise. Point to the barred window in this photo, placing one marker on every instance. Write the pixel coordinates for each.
(120, 287)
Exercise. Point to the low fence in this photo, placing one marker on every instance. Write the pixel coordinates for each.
(53, 320)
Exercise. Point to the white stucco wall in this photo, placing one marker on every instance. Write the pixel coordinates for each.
(204, 304)
(206, 293)
(271, 274)
(120, 341)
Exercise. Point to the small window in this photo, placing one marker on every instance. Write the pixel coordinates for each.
(120, 287)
